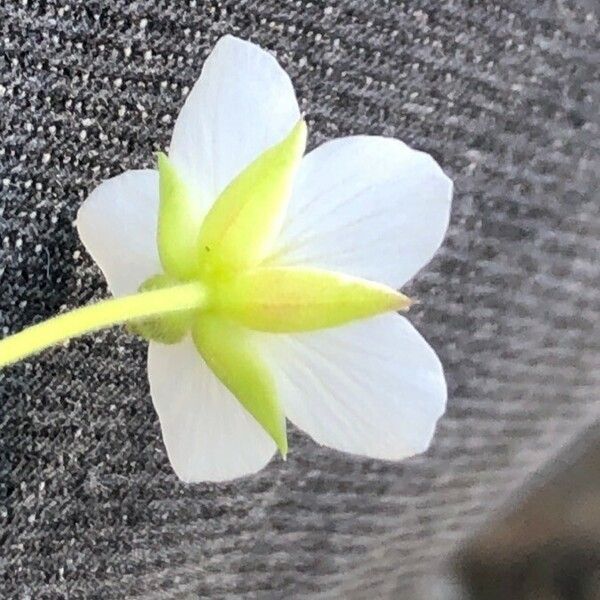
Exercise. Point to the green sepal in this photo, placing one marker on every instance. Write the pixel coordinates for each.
(229, 352)
(169, 328)
(295, 299)
(240, 227)
(179, 220)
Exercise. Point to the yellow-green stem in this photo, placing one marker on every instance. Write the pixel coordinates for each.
(97, 316)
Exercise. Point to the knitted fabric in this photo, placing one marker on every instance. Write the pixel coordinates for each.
(504, 95)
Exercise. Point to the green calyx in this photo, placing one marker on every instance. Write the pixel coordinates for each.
(226, 252)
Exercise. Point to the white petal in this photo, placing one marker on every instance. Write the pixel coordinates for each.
(374, 387)
(242, 104)
(117, 225)
(367, 206)
(209, 436)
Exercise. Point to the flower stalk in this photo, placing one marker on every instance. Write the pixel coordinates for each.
(106, 313)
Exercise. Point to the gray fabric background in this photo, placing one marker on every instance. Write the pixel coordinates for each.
(504, 94)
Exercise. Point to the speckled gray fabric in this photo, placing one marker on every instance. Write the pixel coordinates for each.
(504, 94)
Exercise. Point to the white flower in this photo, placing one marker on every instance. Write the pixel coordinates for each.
(369, 207)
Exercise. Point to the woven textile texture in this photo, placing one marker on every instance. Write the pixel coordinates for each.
(504, 94)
